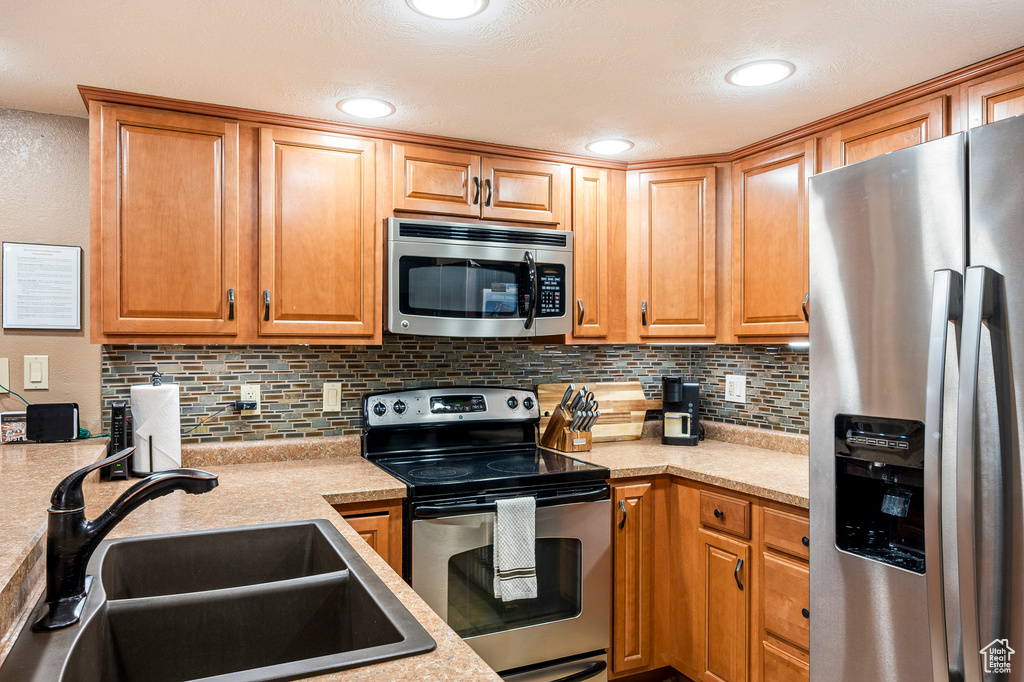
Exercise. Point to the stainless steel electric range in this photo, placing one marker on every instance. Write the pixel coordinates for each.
(460, 449)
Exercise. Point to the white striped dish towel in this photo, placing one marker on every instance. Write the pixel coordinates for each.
(515, 564)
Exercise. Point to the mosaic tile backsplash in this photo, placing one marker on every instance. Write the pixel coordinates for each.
(292, 377)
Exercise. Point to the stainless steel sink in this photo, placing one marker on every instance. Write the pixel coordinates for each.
(275, 602)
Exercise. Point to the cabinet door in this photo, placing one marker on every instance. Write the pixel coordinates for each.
(374, 530)
(996, 99)
(318, 266)
(590, 252)
(889, 131)
(677, 253)
(429, 180)
(633, 536)
(379, 523)
(522, 189)
(168, 223)
(725, 577)
(769, 241)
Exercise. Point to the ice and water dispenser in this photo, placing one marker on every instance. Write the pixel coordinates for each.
(880, 489)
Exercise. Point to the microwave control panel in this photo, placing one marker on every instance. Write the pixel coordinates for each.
(551, 287)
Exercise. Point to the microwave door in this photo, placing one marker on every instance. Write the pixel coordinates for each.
(454, 290)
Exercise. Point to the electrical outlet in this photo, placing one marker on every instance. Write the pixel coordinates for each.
(5, 375)
(332, 396)
(251, 393)
(736, 388)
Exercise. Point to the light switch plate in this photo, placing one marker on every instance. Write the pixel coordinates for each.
(251, 392)
(736, 388)
(37, 372)
(5, 374)
(332, 396)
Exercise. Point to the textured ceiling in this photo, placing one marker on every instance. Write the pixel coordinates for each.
(549, 74)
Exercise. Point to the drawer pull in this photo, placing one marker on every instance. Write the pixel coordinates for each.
(622, 506)
(806, 540)
(719, 514)
(736, 574)
(806, 613)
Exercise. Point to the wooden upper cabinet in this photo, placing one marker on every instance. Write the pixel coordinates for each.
(590, 252)
(429, 180)
(995, 99)
(876, 135)
(318, 271)
(440, 181)
(769, 241)
(725, 579)
(633, 549)
(165, 223)
(521, 189)
(676, 244)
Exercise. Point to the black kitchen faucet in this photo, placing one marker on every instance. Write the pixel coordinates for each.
(71, 538)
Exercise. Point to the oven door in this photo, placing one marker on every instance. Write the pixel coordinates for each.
(452, 570)
(475, 290)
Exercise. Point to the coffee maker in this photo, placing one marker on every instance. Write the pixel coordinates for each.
(680, 411)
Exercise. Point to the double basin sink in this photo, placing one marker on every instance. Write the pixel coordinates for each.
(274, 602)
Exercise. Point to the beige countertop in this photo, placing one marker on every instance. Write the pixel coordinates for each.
(771, 474)
(299, 489)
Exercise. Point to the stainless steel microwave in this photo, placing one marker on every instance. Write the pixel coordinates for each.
(485, 281)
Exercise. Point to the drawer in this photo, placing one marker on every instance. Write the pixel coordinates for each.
(779, 666)
(787, 533)
(787, 597)
(727, 514)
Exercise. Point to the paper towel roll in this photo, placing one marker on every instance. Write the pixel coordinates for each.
(157, 421)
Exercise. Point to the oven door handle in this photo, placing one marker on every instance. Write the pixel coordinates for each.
(435, 511)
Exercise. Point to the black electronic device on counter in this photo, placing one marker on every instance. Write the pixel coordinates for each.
(120, 437)
(680, 411)
(51, 422)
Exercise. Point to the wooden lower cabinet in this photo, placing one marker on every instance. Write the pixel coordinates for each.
(632, 593)
(379, 523)
(721, 602)
(725, 581)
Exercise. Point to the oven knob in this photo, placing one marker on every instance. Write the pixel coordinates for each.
(528, 403)
(399, 407)
(512, 402)
(380, 409)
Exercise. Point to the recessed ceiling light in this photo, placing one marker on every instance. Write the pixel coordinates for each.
(609, 146)
(366, 107)
(448, 9)
(760, 73)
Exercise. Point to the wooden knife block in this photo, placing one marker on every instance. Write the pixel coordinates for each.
(557, 435)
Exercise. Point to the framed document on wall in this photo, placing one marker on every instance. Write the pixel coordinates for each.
(42, 286)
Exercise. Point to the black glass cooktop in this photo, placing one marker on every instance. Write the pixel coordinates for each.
(455, 474)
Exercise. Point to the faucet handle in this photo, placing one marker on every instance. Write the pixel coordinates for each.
(67, 496)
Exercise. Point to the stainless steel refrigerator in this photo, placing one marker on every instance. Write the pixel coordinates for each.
(917, 403)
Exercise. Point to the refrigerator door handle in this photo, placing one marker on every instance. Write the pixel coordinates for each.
(984, 299)
(947, 306)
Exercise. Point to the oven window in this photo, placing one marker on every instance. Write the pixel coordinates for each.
(473, 610)
(458, 287)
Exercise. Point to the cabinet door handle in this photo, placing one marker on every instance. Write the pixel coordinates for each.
(736, 573)
(806, 540)
(490, 192)
(719, 514)
(579, 302)
(807, 297)
(476, 190)
(622, 506)
(643, 313)
(231, 304)
(266, 305)
(805, 613)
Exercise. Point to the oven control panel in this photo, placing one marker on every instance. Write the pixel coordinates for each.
(440, 405)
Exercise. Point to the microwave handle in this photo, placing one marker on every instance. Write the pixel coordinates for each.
(531, 293)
